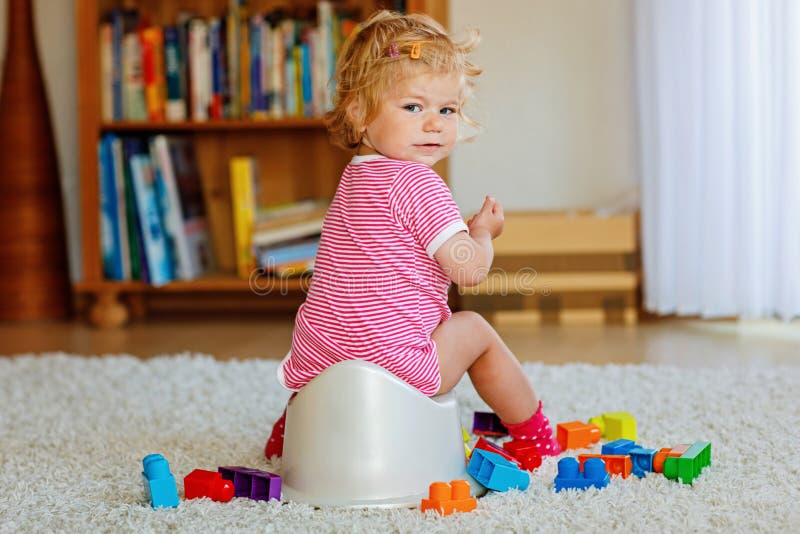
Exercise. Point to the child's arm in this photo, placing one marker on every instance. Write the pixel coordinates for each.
(467, 258)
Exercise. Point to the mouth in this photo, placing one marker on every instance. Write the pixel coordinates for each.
(429, 147)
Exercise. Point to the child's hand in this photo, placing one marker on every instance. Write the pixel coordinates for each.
(489, 218)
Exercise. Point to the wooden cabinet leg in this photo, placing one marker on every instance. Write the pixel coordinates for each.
(107, 311)
(137, 306)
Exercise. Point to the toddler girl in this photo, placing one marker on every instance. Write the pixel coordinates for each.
(393, 239)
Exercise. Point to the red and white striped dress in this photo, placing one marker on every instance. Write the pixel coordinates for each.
(377, 292)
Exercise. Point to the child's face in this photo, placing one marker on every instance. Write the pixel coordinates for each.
(418, 119)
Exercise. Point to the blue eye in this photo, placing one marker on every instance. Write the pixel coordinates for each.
(447, 111)
(413, 107)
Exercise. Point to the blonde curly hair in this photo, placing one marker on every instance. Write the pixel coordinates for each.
(378, 53)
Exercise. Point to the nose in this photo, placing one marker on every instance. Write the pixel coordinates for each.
(433, 122)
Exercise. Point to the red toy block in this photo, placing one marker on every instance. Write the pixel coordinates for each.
(491, 447)
(577, 435)
(446, 498)
(200, 483)
(616, 464)
(662, 455)
(524, 451)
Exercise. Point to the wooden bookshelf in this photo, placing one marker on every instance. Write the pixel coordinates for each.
(294, 155)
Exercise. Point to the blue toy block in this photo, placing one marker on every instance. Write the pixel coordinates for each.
(641, 460)
(159, 484)
(495, 472)
(619, 446)
(570, 477)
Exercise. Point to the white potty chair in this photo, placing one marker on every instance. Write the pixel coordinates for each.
(358, 436)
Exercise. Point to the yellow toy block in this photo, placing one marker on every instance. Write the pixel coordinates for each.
(616, 425)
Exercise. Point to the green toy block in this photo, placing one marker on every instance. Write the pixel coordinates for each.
(616, 425)
(688, 466)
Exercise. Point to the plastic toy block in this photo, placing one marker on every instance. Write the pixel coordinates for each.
(467, 452)
(663, 454)
(577, 435)
(253, 483)
(688, 465)
(641, 460)
(525, 452)
(571, 476)
(616, 425)
(201, 483)
(159, 484)
(491, 447)
(616, 464)
(444, 498)
(495, 472)
(620, 446)
(488, 424)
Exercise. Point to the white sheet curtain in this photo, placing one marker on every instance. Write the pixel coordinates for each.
(718, 84)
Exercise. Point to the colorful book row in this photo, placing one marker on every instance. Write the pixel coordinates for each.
(228, 67)
(152, 216)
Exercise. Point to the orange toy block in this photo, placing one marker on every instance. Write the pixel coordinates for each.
(661, 456)
(616, 464)
(577, 435)
(446, 498)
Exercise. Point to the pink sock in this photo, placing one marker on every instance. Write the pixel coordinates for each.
(538, 430)
(274, 446)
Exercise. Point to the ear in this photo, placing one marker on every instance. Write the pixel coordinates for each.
(357, 114)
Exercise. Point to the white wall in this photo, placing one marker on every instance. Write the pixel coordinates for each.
(54, 23)
(556, 101)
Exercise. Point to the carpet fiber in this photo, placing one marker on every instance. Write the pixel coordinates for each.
(73, 432)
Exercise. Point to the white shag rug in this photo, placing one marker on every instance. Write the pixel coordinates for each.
(73, 432)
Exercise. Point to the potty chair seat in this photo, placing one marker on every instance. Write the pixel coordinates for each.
(358, 436)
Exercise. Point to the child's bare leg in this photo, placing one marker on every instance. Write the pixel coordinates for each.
(467, 343)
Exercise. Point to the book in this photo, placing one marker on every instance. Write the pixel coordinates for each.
(285, 232)
(243, 205)
(122, 206)
(173, 57)
(109, 216)
(152, 43)
(131, 146)
(199, 69)
(106, 47)
(184, 209)
(159, 265)
(291, 213)
(289, 253)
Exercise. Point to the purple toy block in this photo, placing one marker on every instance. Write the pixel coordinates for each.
(488, 424)
(252, 483)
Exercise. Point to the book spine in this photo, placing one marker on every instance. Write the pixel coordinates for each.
(109, 217)
(232, 57)
(158, 262)
(242, 174)
(134, 106)
(256, 104)
(217, 68)
(152, 43)
(244, 66)
(122, 207)
(176, 104)
(135, 243)
(200, 69)
(172, 211)
(116, 59)
(106, 45)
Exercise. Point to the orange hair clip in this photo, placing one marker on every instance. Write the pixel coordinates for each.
(416, 50)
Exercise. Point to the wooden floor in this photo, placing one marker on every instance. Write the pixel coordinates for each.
(669, 341)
